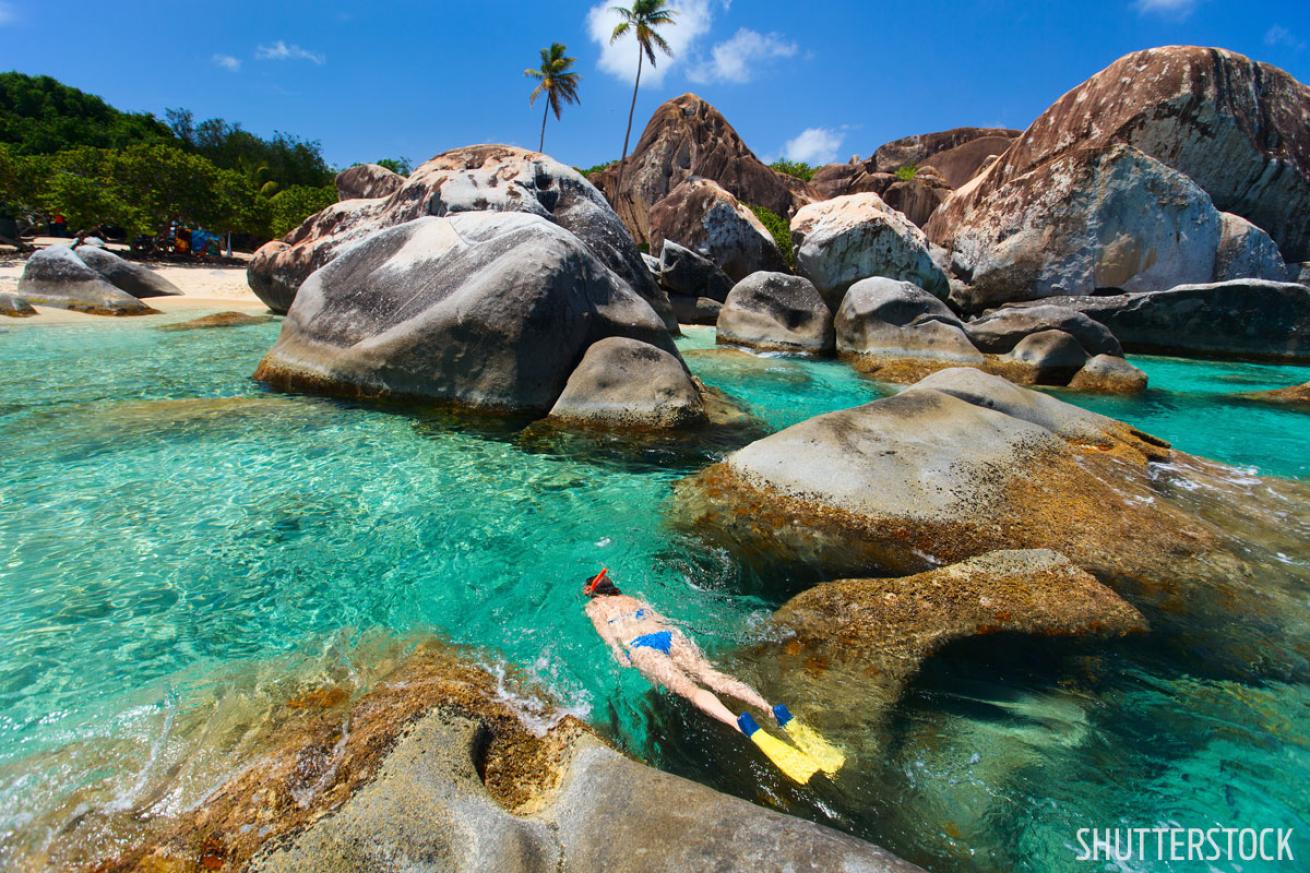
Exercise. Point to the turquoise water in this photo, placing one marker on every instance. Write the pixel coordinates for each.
(166, 527)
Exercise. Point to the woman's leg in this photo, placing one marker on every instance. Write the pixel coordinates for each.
(660, 670)
(688, 658)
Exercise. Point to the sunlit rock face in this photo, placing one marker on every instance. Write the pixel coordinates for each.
(480, 178)
(1235, 127)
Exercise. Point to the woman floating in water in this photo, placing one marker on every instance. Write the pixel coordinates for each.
(640, 637)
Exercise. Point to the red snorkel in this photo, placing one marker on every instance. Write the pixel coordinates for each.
(590, 587)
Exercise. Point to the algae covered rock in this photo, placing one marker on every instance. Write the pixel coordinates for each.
(490, 310)
(776, 312)
(1107, 374)
(883, 629)
(959, 464)
(218, 319)
(15, 307)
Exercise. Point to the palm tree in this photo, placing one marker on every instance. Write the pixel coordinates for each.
(555, 81)
(641, 20)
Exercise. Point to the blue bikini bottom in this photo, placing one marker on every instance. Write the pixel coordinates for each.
(660, 641)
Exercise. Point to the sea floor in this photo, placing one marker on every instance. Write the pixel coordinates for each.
(181, 549)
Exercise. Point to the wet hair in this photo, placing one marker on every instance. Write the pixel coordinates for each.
(603, 587)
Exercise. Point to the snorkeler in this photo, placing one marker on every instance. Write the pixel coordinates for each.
(642, 638)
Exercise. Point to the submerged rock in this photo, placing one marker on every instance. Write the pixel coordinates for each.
(776, 312)
(840, 241)
(485, 309)
(628, 383)
(1246, 318)
(881, 630)
(439, 765)
(368, 182)
(1294, 395)
(58, 276)
(479, 178)
(218, 319)
(14, 306)
(702, 216)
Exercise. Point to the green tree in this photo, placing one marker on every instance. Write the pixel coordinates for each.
(798, 169)
(403, 166)
(556, 82)
(291, 206)
(641, 20)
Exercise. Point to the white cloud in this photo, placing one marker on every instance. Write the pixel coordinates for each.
(7, 14)
(281, 51)
(227, 62)
(692, 21)
(1281, 36)
(1178, 8)
(737, 59)
(814, 145)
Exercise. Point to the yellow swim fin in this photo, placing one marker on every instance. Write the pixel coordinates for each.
(795, 764)
(829, 758)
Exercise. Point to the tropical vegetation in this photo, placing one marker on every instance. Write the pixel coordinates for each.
(65, 151)
(780, 230)
(642, 19)
(801, 170)
(555, 81)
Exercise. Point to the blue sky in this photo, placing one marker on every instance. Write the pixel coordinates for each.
(815, 81)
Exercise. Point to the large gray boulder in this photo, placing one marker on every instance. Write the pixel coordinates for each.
(1246, 252)
(1053, 356)
(136, 279)
(686, 273)
(623, 382)
(885, 318)
(484, 309)
(477, 178)
(368, 182)
(1247, 318)
(58, 276)
(1108, 374)
(704, 217)
(999, 331)
(1087, 220)
(959, 464)
(1235, 127)
(840, 241)
(776, 312)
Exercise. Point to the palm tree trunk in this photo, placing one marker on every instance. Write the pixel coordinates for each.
(628, 133)
(541, 146)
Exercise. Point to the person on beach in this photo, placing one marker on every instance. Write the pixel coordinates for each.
(642, 638)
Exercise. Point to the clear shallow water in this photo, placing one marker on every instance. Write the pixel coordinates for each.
(168, 530)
